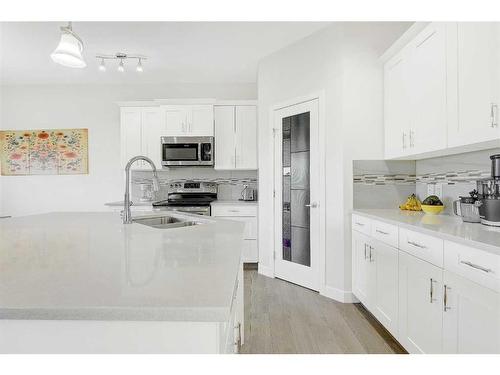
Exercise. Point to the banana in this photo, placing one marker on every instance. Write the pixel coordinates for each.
(411, 204)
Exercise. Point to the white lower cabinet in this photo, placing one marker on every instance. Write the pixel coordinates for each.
(246, 213)
(434, 296)
(420, 305)
(375, 277)
(471, 317)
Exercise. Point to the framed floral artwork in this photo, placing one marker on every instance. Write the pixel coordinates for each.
(49, 151)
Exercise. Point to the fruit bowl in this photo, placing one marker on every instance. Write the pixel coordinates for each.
(432, 210)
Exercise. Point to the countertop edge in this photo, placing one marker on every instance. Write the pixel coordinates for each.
(445, 236)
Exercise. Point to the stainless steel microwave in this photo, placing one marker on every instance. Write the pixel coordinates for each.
(187, 151)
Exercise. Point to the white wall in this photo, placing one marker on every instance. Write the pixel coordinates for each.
(342, 61)
(92, 107)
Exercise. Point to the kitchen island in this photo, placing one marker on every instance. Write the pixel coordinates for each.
(87, 283)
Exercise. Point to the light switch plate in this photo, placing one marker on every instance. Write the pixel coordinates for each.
(438, 191)
(430, 189)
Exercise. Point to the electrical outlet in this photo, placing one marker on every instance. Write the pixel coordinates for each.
(430, 189)
(438, 191)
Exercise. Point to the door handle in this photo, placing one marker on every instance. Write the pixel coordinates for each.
(312, 205)
(494, 115)
(371, 258)
(431, 291)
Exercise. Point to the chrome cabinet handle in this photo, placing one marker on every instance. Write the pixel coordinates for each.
(412, 142)
(361, 225)
(445, 298)
(366, 245)
(431, 291)
(467, 263)
(404, 140)
(416, 244)
(371, 258)
(381, 232)
(494, 115)
(237, 343)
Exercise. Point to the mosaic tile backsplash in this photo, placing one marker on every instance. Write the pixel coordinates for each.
(229, 183)
(391, 181)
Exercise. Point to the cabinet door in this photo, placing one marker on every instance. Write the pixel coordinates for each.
(130, 134)
(176, 120)
(362, 272)
(384, 259)
(397, 112)
(420, 305)
(225, 153)
(246, 137)
(152, 129)
(471, 318)
(428, 90)
(478, 65)
(200, 120)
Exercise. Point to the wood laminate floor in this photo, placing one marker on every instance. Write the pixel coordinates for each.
(281, 317)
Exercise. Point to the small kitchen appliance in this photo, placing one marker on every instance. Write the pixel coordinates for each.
(466, 208)
(248, 194)
(489, 195)
(187, 151)
(191, 197)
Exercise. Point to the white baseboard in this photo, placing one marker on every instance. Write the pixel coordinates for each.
(338, 294)
(266, 271)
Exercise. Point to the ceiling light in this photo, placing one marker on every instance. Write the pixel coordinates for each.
(139, 67)
(69, 50)
(102, 67)
(121, 68)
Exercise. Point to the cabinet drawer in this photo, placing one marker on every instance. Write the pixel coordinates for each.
(361, 224)
(236, 210)
(476, 265)
(384, 232)
(250, 251)
(250, 231)
(422, 246)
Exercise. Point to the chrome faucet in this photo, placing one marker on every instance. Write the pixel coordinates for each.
(127, 216)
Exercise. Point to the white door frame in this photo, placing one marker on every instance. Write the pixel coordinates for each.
(320, 96)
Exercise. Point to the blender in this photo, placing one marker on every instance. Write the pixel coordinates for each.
(489, 195)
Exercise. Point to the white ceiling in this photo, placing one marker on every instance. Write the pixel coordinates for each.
(201, 52)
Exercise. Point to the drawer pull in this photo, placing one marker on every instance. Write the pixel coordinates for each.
(371, 258)
(234, 210)
(360, 224)
(365, 251)
(381, 232)
(416, 245)
(467, 263)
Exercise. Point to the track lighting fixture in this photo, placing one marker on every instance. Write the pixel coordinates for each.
(122, 57)
(69, 50)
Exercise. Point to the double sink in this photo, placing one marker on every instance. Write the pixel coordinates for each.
(164, 222)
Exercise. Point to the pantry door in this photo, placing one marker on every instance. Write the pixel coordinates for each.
(296, 189)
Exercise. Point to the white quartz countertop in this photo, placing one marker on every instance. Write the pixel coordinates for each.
(443, 226)
(135, 203)
(91, 266)
(233, 203)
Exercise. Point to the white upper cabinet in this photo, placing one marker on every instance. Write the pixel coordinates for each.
(397, 105)
(478, 71)
(225, 153)
(235, 137)
(189, 120)
(246, 137)
(428, 90)
(140, 132)
(442, 89)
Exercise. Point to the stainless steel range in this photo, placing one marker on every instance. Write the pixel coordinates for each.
(191, 197)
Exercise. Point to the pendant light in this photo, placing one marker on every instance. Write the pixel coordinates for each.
(69, 51)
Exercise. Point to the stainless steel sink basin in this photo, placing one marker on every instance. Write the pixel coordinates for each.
(164, 222)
